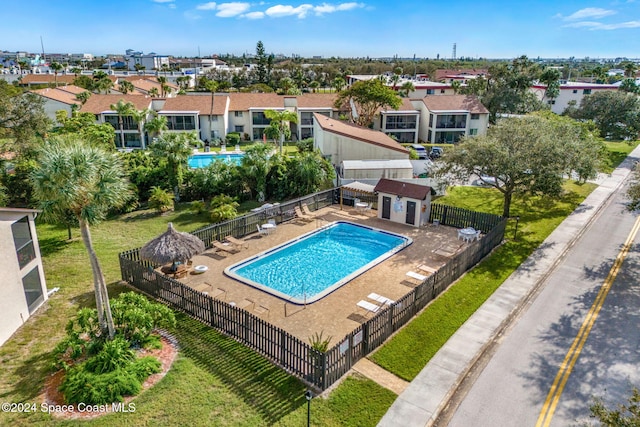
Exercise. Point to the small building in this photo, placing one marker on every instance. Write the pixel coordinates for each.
(375, 169)
(23, 288)
(403, 202)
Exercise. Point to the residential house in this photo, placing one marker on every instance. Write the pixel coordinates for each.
(570, 93)
(202, 113)
(403, 202)
(100, 105)
(338, 141)
(402, 124)
(23, 288)
(60, 98)
(422, 85)
(446, 119)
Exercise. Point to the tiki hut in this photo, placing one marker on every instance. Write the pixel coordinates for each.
(172, 246)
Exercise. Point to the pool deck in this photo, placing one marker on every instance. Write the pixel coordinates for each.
(336, 314)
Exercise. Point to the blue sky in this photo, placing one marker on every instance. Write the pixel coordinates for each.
(375, 28)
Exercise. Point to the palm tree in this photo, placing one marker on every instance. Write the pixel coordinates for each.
(140, 117)
(280, 122)
(630, 70)
(156, 125)
(456, 85)
(56, 67)
(339, 83)
(211, 86)
(75, 176)
(406, 88)
(154, 92)
(83, 97)
(123, 109)
(175, 148)
(126, 86)
(163, 85)
(256, 164)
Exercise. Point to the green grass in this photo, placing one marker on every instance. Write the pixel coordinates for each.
(214, 381)
(617, 152)
(409, 351)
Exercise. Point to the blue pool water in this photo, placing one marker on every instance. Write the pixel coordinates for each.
(310, 267)
(204, 160)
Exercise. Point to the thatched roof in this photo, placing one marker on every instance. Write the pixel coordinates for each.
(172, 246)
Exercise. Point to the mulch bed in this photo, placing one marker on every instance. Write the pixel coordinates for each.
(52, 396)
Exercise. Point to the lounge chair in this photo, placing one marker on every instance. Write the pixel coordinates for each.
(222, 247)
(262, 231)
(237, 242)
(416, 276)
(301, 215)
(368, 306)
(307, 212)
(427, 269)
(379, 298)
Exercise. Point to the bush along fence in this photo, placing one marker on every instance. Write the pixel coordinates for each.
(299, 358)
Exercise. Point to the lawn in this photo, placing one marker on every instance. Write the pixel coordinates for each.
(215, 381)
(617, 152)
(409, 351)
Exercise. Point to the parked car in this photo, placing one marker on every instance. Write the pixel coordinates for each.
(435, 153)
(422, 152)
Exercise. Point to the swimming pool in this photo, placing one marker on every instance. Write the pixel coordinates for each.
(203, 160)
(310, 267)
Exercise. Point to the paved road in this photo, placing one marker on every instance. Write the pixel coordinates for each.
(518, 374)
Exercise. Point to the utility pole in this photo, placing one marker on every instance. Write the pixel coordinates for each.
(44, 58)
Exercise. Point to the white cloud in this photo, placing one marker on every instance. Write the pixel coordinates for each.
(254, 15)
(207, 6)
(286, 10)
(592, 25)
(227, 10)
(590, 12)
(330, 8)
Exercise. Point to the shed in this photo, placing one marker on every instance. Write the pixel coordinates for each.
(403, 202)
(374, 169)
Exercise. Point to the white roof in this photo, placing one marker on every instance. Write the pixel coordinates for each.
(377, 164)
(359, 186)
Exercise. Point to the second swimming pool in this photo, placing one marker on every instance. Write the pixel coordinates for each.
(308, 268)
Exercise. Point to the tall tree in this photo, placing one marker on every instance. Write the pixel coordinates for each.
(551, 78)
(163, 86)
(140, 117)
(281, 124)
(255, 166)
(83, 97)
(212, 87)
(84, 126)
(364, 98)
(126, 86)
(630, 70)
(123, 109)
(261, 58)
(528, 155)
(615, 113)
(156, 125)
(77, 177)
(22, 115)
(175, 149)
(56, 67)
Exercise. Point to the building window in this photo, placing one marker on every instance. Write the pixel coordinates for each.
(239, 129)
(430, 91)
(551, 101)
(306, 118)
(238, 113)
(33, 289)
(401, 122)
(403, 137)
(442, 91)
(575, 91)
(451, 121)
(258, 118)
(306, 133)
(181, 122)
(473, 132)
(586, 92)
(475, 116)
(430, 120)
(23, 241)
(127, 122)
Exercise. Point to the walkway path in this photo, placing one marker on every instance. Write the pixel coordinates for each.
(381, 376)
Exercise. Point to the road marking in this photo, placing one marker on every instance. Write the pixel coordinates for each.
(550, 404)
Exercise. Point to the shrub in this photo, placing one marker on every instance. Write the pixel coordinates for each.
(223, 207)
(305, 145)
(135, 317)
(198, 207)
(232, 138)
(82, 386)
(115, 354)
(161, 200)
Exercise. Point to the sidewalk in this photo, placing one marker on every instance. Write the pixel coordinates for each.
(428, 394)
